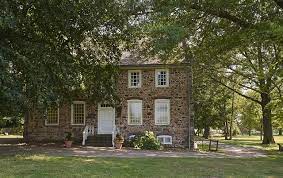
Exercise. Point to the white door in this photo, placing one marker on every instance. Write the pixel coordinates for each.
(106, 120)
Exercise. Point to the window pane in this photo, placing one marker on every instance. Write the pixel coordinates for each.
(162, 112)
(162, 78)
(52, 115)
(78, 113)
(135, 112)
(135, 78)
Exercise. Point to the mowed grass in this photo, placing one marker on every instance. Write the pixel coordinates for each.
(252, 141)
(10, 136)
(49, 166)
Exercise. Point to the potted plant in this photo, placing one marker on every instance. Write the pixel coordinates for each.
(68, 140)
(119, 140)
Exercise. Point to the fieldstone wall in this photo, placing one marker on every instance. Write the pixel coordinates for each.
(38, 131)
(176, 92)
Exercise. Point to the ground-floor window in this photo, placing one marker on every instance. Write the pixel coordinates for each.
(78, 113)
(162, 112)
(134, 112)
(52, 115)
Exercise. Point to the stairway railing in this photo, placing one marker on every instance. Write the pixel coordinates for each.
(88, 131)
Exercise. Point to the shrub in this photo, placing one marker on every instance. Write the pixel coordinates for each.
(147, 141)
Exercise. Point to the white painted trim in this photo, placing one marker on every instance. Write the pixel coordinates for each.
(166, 136)
(167, 101)
(135, 101)
(72, 112)
(101, 108)
(129, 78)
(156, 77)
(58, 118)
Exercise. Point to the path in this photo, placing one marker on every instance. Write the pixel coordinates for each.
(229, 151)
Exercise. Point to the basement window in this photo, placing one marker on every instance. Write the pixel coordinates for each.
(165, 139)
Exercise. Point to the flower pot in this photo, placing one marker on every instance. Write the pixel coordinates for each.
(68, 143)
(118, 145)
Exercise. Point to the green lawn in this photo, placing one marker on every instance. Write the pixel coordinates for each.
(252, 141)
(47, 166)
(10, 136)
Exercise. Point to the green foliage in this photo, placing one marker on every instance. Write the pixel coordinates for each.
(68, 136)
(52, 50)
(10, 122)
(146, 141)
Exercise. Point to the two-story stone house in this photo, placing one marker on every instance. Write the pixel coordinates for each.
(153, 97)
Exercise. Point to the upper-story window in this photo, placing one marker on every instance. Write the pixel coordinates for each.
(52, 115)
(78, 113)
(134, 78)
(161, 77)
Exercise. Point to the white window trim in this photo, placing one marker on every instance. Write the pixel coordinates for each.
(133, 101)
(167, 101)
(54, 124)
(72, 112)
(163, 137)
(167, 77)
(129, 78)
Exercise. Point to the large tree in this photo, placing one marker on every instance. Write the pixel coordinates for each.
(232, 40)
(55, 50)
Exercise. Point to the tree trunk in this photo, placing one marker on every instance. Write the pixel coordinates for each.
(206, 133)
(266, 119)
(226, 129)
(26, 125)
(280, 131)
(232, 117)
(250, 132)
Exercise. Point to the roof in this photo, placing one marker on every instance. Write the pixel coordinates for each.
(130, 60)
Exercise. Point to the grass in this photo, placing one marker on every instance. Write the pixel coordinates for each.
(49, 166)
(10, 136)
(252, 141)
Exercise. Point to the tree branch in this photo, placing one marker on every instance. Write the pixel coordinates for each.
(239, 93)
(221, 14)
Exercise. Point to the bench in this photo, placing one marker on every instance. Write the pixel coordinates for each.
(280, 147)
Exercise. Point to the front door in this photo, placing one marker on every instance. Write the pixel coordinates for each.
(106, 119)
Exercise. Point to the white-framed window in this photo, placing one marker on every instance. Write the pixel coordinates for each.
(78, 113)
(134, 78)
(135, 112)
(165, 139)
(162, 111)
(161, 77)
(52, 115)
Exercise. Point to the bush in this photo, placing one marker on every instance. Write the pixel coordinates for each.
(146, 141)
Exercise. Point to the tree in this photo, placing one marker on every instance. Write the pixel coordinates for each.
(249, 115)
(230, 38)
(57, 50)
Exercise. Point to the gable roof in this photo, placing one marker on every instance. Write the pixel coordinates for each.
(129, 59)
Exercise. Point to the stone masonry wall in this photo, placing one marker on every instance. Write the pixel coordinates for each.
(176, 92)
(148, 92)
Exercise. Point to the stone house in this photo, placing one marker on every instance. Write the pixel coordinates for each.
(153, 97)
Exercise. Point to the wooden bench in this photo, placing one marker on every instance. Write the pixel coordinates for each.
(280, 147)
(210, 144)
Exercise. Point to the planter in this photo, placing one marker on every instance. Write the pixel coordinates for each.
(68, 144)
(118, 144)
